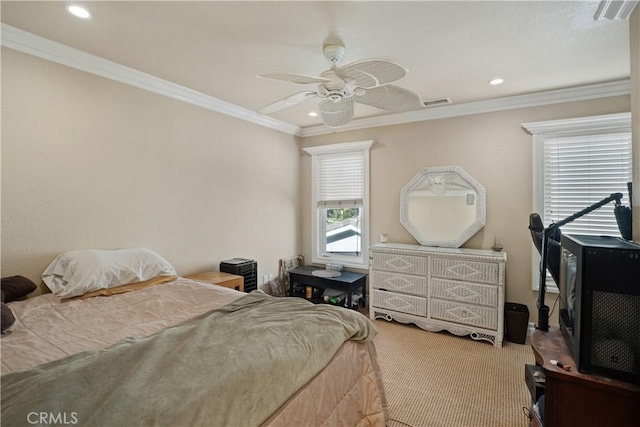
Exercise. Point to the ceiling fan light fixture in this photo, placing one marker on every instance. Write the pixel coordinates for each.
(360, 91)
(438, 185)
(367, 78)
(334, 53)
(438, 189)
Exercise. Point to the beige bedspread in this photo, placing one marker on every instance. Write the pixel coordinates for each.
(359, 397)
(48, 329)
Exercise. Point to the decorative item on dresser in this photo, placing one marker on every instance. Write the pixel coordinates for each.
(457, 290)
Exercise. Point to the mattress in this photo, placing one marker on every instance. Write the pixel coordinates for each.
(348, 391)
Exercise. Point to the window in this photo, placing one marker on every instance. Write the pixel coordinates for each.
(578, 162)
(340, 203)
(580, 171)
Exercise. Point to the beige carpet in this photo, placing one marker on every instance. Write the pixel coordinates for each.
(438, 379)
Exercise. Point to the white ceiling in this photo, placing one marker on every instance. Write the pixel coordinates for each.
(451, 49)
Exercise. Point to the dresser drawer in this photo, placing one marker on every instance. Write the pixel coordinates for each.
(465, 314)
(400, 282)
(470, 293)
(400, 263)
(472, 271)
(399, 302)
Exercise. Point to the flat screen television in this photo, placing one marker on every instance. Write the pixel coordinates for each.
(600, 305)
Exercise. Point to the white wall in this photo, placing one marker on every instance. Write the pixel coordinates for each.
(91, 163)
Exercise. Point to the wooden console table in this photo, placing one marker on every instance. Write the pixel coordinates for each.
(576, 399)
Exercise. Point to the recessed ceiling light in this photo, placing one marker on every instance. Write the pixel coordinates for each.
(496, 81)
(313, 114)
(79, 11)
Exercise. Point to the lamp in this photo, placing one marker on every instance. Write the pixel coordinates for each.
(543, 309)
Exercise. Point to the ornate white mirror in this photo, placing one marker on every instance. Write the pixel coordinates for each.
(443, 206)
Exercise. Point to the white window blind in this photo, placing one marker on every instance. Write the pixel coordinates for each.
(582, 170)
(341, 180)
(340, 203)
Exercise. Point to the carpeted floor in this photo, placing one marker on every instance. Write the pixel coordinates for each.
(438, 379)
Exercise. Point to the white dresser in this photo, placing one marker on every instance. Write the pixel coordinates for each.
(457, 290)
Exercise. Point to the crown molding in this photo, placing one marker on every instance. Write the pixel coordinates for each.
(580, 93)
(607, 122)
(41, 47)
(340, 148)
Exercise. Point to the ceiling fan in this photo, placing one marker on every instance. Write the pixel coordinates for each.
(365, 81)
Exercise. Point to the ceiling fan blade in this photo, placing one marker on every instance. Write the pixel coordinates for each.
(390, 97)
(295, 78)
(288, 102)
(370, 73)
(336, 114)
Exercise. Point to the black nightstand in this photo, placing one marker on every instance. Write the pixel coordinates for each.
(347, 281)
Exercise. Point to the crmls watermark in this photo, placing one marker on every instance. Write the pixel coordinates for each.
(64, 418)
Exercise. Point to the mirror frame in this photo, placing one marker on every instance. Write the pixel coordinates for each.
(481, 207)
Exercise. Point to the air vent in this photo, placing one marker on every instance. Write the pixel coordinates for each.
(437, 101)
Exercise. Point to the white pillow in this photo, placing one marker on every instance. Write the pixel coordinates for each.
(75, 273)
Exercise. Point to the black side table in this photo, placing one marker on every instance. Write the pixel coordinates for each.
(347, 281)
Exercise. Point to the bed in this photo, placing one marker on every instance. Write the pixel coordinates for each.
(184, 352)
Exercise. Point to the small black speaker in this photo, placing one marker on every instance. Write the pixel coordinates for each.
(246, 268)
(615, 335)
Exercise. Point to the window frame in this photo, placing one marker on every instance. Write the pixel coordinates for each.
(317, 223)
(581, 126)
